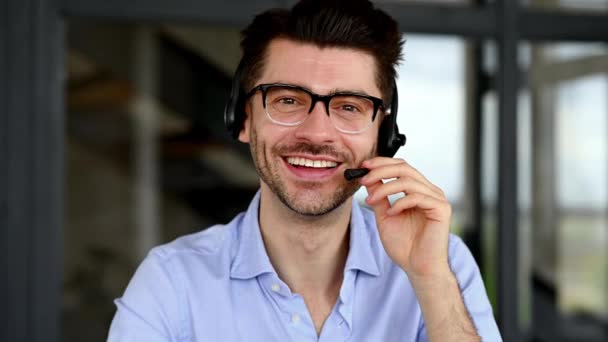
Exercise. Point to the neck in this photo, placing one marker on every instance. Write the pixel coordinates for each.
(308, 252)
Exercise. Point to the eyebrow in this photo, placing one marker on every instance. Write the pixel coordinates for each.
(332, 91)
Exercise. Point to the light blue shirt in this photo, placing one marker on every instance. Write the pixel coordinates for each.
(219, 285)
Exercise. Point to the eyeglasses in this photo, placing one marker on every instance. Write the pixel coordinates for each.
(290, 105)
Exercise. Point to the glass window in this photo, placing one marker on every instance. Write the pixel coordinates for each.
(432, 92)
(490, 197)
(581, 108)
(562, 185)
(567, 150)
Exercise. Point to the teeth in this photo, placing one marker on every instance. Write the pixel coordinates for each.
(311, 163)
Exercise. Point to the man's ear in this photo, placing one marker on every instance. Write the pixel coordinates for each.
(244, 135)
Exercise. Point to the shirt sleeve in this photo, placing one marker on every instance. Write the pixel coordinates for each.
(473, 292)
(148, 310)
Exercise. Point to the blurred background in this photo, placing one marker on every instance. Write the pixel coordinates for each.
(122, 146)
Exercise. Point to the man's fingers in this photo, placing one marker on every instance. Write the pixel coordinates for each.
(381, 205)
(386, 168)
(405, 185)
(435, 209)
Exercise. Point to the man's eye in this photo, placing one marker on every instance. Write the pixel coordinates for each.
(287, 101)
(350, 108)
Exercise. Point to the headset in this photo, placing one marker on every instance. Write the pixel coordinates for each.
(389, 138)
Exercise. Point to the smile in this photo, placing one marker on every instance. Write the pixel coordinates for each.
(318, 164)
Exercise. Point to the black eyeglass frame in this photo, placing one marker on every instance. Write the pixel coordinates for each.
(326, 99)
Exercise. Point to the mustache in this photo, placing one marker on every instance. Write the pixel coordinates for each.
(303, 147)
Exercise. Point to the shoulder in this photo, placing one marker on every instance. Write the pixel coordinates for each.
(169, 280)
(209, 250)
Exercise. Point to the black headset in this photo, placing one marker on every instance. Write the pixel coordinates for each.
(389, 138)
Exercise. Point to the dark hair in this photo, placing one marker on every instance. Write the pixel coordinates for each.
(326, 23)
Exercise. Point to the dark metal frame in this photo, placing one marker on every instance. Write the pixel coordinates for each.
(31, 152)
(508, 213)
(32, 128)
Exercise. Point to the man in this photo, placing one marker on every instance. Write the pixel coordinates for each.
(313, 98)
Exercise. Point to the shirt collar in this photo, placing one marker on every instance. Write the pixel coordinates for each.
(251, 258)
(361, 255)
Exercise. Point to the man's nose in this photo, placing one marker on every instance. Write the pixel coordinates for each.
(318, 126)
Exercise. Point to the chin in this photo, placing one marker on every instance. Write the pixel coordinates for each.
(316, 202)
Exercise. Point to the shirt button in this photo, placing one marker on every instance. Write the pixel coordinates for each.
(275, 287)
(295, 318)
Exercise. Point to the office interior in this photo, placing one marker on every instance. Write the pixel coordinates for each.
(114, 142)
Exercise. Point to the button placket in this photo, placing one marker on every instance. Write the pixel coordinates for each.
(296, 318)
(274, 286)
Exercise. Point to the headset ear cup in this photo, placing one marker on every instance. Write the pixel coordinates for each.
(234, 112)
(229, 114)
(384, 139)
(240, 116)
(389, 138)
(398, 141)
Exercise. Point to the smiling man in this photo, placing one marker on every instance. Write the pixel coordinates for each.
(315, 95)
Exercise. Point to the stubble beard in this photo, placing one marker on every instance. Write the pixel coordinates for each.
(308, 201)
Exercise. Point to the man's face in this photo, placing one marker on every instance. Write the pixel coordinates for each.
(277, 150)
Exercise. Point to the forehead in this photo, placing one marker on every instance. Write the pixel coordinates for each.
(322, 70)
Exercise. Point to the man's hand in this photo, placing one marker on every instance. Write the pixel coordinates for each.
(415, 234)
(415, 229)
